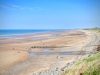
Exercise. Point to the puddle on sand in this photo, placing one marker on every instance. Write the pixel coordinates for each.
(32, 54)
(60, 53)
(45, 51)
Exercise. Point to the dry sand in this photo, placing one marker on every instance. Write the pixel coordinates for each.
(15, 58)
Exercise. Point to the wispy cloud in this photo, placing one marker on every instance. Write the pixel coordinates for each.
(21, 8)
(13, 5)
(7, 7)
(17, 7)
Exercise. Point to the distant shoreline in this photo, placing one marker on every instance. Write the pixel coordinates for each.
(9, 34)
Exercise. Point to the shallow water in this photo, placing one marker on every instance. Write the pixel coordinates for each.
(47, 52)
(44, 38)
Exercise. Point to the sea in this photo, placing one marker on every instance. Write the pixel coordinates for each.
(10, 32)
(20, 33)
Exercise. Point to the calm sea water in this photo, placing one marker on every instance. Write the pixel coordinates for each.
(8, 32)
(16, 33)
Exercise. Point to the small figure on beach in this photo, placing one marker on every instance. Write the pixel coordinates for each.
(58, 56)
(62, 69)
(56, 69)
(18, 51)
(25, 47)
(13, 48)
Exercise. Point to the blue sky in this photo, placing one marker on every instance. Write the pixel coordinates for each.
(49, 14)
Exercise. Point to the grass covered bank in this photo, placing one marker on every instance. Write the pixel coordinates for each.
(96, 29)
(87, 66)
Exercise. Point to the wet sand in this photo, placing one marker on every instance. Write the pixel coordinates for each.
(17, 57)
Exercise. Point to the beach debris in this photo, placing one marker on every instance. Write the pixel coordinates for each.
(18, 51)
(25, 47)
(13, 48)
(56, 69)
(58, 56)
(29, 49)
(89, 55)
(81, 73)
(39, 73)
(98, 48)
(61, 57)
(34, 74)
(62, 69)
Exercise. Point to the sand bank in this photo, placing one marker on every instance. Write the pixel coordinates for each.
(16, 54)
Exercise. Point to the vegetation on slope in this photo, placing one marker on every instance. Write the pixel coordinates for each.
(94, 29)
(87, 66)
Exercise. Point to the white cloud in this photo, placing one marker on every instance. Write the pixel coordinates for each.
(7, 7)
(21, 8)
(17, 7)
(13, 5)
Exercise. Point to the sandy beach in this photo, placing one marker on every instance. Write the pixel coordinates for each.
(23, 56)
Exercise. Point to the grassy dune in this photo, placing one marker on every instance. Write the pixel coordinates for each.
(95, 29)
(87, 66)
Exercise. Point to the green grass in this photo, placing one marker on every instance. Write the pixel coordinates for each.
(87, 66)
(93, 70)
(93, 58)
(95, 29)
(89, 59)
